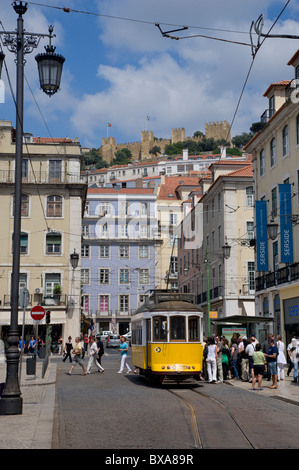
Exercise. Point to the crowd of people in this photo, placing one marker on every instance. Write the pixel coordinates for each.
(247, 360)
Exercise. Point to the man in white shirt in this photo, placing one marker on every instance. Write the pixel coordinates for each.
(249, 351)
(93, 357)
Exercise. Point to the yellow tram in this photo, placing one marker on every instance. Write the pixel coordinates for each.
(167, 337)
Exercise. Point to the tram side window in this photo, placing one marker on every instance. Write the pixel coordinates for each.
(160, 328)
(177, 329)
(137, 332)
(193, 329)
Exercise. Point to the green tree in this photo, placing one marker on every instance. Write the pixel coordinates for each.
(122, 157)
(155, 150)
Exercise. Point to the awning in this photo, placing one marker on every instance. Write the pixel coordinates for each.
(243, 319)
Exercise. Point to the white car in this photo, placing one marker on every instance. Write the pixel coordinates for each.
(104, 335)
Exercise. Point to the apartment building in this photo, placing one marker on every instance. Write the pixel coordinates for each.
(52, 200)
(120, 254)
(275, 151)
(223, 214)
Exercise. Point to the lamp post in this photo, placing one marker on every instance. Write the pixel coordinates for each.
(225, 255)
(20, 42)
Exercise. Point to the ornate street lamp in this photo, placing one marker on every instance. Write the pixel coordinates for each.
(19, 42)
(272, 229)
(74, 258)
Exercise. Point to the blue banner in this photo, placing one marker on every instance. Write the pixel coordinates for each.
(286, 227)
(261, 235)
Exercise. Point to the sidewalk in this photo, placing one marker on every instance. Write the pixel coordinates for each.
(285, 391)
(33, 428)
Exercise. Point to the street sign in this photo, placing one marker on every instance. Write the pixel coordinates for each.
(24, 298)
(37, 312)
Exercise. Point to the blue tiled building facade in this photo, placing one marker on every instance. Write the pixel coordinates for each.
(119, 255)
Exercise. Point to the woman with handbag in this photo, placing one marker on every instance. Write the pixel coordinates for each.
(212, 361)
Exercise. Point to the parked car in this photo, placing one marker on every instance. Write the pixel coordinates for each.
(113, 341)
(104, 335)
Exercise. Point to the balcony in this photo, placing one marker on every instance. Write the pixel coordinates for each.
(40, 177)
(275, 278)
(47, 300)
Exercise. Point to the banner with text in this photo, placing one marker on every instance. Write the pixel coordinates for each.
(286, 228)
(261, 235)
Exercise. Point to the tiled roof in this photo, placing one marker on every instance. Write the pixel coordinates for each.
(282, 83)
(169, 188)
(51, 140)
(242, 172)
(120, 191)
(293, 58)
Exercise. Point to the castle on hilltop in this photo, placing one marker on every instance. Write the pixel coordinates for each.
(140, 150)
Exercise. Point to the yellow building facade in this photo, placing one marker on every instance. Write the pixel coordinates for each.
(52, 200)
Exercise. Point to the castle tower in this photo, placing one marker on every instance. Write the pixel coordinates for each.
(108, 148)
(177, 135)
(218, 130)
(147, 143)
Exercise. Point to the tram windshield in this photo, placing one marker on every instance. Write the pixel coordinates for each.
(160, 328)
(177, 328)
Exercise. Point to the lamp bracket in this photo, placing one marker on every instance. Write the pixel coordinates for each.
(31, 40)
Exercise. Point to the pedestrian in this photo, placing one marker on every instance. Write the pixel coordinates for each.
(234, 357)
(258, 367)
(212, 361)
(101, 352)
(85, 341)
(60, 345)
(77, 357)
(250, 350)
(240, 353)
(265, 351)
(32, 344)
(245, 361)
(39, 345)
(294, 350)
(271, 358)
(68, 349)
(219, 359)
(281, 360)
(93, 356)
(225, 359)
(123, 348)
(291, 364)
(21, 343)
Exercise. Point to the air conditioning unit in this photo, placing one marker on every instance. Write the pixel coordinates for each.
(38, 290)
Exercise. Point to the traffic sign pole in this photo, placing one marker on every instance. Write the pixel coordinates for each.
(24, 301)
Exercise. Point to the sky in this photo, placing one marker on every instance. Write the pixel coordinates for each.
(119, 69)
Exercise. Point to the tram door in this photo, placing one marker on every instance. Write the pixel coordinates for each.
(148, 338)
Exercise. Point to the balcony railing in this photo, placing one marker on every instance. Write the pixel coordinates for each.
(46, 300)
(274, 278)
(41, 177)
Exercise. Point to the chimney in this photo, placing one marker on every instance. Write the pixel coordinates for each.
(223, 151)
(185, 154)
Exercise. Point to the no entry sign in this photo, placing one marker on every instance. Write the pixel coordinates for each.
(37, 312)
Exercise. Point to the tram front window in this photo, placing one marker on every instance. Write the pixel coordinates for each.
(160, 328)
(177, 329)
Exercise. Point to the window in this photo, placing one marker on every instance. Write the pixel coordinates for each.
(124, 231)
(251, 284)
(262, 162)
(297, 129)
(24, 206)
(177, 329)
(54, 206)
(105, 209)
(160, 328)
(285, 141)
(124, 209)
(174, 265)
(124, 251)
(104, 276)
(85, 303)
(51, 280)
(23, 243)
(124, 276)
(249, 196)
(143, 231)
(143, 276)
(274, 202)
(250, 230)
(143, 209)
(143, 251)
(273, 152)
(271, 106)
(193, 327)
(275, 256)
(104, 303)
(85, 276)
(124, 303)
(85, 230)
(55, 171)
(173, 219)
(84, 251)
(104, 251)
(24, 170)
(53, 244)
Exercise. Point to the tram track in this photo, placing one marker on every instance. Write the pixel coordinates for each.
(204, 433)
